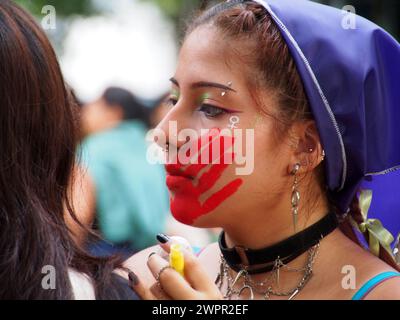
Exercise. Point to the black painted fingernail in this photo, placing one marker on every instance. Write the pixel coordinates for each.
(162, 238)
(133, 279)
(151, 254)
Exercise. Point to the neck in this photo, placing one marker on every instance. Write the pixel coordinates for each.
(260, 233)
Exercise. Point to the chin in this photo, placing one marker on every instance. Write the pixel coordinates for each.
(210, 220)
(204, 222)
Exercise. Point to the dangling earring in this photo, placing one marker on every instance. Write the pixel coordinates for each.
(295, 196)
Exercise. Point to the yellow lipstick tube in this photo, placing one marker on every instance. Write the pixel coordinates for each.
(176, 259)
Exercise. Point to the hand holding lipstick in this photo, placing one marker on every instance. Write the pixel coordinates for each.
(194, 285)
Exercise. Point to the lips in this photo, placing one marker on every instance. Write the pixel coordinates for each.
(175, 170)
(176, 183)
(176, 179)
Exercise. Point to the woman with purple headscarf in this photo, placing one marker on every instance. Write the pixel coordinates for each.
(323, 101)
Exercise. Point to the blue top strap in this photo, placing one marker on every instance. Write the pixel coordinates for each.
(372, 283)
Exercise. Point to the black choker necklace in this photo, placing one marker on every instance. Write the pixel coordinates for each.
(263, 260)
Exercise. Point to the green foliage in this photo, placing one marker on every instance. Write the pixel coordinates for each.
(174, 9)
(178, 9)
(63, 7)
(171, 8)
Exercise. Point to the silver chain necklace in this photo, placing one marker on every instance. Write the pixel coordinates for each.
(265, 288)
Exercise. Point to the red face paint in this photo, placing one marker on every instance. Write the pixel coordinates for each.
(185, 202)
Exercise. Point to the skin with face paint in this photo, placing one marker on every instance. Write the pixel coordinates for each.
(192, 80)
(188, 183)
(258, 213)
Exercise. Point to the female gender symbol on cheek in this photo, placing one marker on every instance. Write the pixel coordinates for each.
(234, 120)
(186, 206)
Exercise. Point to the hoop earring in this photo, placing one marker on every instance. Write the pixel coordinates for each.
(295, 196)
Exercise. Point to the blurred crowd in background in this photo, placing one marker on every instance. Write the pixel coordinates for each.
(117, 56)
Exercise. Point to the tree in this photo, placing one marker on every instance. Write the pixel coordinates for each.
(63, 8)
(178, 11)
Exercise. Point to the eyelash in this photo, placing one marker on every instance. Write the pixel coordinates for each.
(170, 102)
(203, 108)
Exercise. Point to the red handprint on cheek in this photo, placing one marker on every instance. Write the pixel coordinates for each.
(186, 206)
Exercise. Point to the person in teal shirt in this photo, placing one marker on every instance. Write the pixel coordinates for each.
(129, 193)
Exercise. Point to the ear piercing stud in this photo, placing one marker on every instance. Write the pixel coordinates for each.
(323, 153)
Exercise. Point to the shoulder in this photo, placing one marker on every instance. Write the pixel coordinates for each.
(99, 144)
(347, 267)
(369, 270)
(82, 286)
(386, 290)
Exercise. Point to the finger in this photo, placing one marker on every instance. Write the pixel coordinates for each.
(166, 246)
(166, 242)
(197, 277)
(158, 292)
(194, 272)
(138, 287)
(155, 264)
(171, 281)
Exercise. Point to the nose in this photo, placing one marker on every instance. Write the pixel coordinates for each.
(175, 120)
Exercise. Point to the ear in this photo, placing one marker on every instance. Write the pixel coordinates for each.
(307, 148)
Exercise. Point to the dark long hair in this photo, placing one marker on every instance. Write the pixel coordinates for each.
(38, 137)
(251, 25)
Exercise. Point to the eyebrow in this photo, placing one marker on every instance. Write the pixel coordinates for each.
(205, 84)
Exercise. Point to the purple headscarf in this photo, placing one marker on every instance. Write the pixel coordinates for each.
(351, 77)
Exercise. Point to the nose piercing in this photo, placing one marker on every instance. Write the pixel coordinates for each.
(166, 149)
